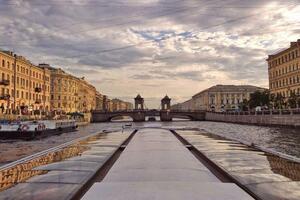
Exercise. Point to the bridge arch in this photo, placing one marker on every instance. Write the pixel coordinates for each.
(120, 116)
(183, 116)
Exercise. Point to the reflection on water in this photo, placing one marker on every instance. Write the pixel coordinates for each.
(285, 168)
(268, 176)
(282, 140)
(278, 165)
(23, 171)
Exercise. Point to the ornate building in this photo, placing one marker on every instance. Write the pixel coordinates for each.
(24, 87)
(121, 105)
(223, 97)
(69, 93)
(87, 96)
(219, 98)
(99, 101)
(284, 71)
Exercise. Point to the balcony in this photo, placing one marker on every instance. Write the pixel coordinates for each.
(38, 89)
(5, 97)
(4, 82)
(38, 101)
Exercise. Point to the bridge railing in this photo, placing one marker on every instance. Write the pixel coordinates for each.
(112, 111)
(188, 110)
(145, 110)
(262, 112)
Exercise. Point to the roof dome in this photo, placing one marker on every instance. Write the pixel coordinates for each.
(166, 98)
(138, 97)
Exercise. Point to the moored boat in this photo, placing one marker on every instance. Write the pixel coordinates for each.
(34, 129)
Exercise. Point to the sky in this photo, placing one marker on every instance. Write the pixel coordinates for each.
(152, 47)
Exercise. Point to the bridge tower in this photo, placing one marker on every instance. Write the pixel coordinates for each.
(166, 103)
(165, 114)
(138, 102)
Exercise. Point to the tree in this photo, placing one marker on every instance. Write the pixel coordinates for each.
(279, 101)
(259, 98)
(293, 100)
(244, 105)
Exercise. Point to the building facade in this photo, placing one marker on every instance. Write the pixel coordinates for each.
(223, 97)
(284, 71)
(119, 105)
(99, 101)
(87, 96)
(24, 87)
(27, 89)
(219, 98)
(187, 105)
(70, 94)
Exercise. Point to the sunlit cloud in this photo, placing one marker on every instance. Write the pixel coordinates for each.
(153, 47)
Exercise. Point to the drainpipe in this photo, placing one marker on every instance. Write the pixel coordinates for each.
(15, 78)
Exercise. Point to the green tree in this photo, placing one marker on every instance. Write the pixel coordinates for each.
(244, 105)
(259, 98)
(272, 100)
(292, 100)
(279, 101)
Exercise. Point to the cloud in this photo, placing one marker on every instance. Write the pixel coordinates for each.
(154, 46)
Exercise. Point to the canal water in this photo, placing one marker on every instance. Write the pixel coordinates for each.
(283, 140)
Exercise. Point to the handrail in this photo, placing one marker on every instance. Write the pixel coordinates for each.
(262, 112)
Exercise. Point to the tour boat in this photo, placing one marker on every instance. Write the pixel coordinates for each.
(33, 129)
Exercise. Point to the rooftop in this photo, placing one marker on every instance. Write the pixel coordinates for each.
(231, 88)
(283, 50)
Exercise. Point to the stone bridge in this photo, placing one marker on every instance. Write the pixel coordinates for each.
(140, 115)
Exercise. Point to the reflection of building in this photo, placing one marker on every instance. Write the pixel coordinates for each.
(24, 87)
(21, 172)
(69, 93)
(284, 70)
(284, 167)
(219, 97)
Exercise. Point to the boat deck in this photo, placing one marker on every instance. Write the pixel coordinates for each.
(156, 165)
(152, 163)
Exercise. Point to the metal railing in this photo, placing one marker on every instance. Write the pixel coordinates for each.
(262, 112)
(4, 82)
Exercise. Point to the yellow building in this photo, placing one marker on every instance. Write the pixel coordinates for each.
(284, 71)
(70, 94)
(86, 96)
(223, 97)
(119, 105)
(99, 101)
(25, 88)
(219, 98)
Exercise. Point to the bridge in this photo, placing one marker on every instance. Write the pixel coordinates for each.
(139, 113)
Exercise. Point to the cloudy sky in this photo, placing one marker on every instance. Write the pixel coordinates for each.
(152, 47)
